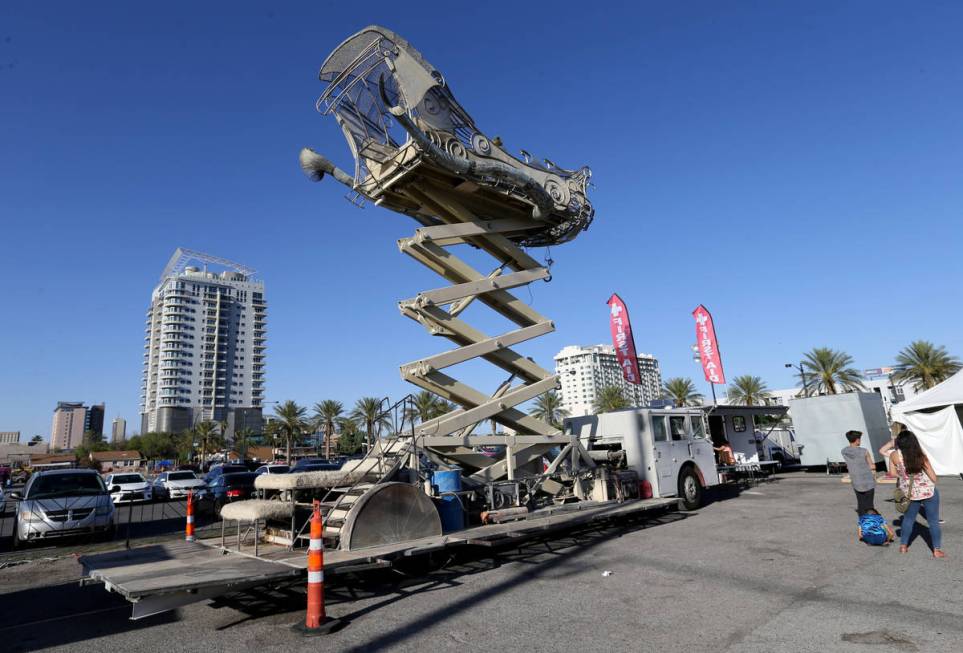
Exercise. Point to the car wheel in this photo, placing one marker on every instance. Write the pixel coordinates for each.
(690, 489)
(216, 506)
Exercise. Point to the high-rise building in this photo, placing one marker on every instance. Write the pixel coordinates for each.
(67, 429)
(94, 419)
(118, 430)
(204, 351)
(9, 437)
(584, 371)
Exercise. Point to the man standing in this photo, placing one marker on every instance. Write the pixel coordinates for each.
(862, 472)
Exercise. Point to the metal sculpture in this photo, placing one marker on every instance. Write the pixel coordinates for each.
(417, 151)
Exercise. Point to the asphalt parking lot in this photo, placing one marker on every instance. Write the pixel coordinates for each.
(775, 568)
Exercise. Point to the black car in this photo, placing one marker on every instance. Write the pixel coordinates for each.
(223, 469)
(315, 465)
(228, 487)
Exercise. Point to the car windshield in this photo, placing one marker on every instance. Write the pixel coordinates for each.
(278, 469)
(232, 469)
(66, 485)
(181, 476)
(127, 478)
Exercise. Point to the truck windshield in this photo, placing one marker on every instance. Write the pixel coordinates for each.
(66, 485)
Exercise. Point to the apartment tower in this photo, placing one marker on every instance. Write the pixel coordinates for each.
(204, 351)
(583, 371)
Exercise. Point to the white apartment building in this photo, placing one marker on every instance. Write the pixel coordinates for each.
(204, 351)
(583, 371)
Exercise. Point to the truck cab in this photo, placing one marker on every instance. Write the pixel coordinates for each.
(667, 447)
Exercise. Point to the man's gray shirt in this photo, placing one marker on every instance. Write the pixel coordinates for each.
(863, 478)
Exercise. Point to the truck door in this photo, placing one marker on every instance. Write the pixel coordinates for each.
(700, 450)
(666, 458)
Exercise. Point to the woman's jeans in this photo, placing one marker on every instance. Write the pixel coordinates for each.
(931, 507)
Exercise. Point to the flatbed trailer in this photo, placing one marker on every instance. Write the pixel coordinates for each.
(164, 577)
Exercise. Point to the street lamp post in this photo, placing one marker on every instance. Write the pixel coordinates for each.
(802, 375)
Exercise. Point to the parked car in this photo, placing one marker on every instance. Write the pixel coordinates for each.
(220, 469)
(60, 503)
(315, 465)
(229, 487)
(176, 485)
(272, 469)
(128, 487)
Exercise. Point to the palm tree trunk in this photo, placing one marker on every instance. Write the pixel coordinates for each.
(288, 454)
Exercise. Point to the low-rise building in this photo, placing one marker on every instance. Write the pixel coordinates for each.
(117, 461)
(22, 454)
(9, 437)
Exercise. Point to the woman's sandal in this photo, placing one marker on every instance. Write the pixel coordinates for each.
(903, 548)
(938, 554)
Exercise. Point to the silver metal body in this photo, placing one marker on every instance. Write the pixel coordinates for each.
(658, 443)
(166, 487)
(53, 513)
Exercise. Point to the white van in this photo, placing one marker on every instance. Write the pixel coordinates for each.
(667, 447)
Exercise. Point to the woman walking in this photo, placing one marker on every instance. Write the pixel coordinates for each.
(917, 479)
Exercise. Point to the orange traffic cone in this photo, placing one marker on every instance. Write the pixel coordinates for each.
(189, 533)
(316, 622)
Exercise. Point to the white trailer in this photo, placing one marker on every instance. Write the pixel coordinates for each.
(821, 423)
(667, 447)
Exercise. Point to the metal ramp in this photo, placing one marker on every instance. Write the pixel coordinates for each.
(167, 576)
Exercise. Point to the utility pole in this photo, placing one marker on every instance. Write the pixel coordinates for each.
(802, 375)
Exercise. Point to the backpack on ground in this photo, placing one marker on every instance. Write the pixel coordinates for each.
(873, 529)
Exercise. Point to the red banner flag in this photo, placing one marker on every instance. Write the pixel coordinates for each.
(708, 346)
(622, 340)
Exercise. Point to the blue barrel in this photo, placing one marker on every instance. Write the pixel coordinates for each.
(449, 505)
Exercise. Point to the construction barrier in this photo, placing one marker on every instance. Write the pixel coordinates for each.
(316, 621)
(189, 533)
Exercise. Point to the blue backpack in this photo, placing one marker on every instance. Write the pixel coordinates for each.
(873, 529)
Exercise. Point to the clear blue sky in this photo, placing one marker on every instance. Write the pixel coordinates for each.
(794, 166)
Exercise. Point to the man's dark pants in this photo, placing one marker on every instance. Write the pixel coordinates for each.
(865, 501)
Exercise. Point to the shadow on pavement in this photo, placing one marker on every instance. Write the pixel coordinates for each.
(56, 615)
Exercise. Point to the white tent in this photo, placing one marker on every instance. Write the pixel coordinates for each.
(934, 417)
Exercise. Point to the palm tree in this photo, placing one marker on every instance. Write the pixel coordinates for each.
(328, 414)
(548, 408)
(207, 433)
(367, 412)
(425, 406)
(291, 424)
(682, 392)
(608, 399)
(828, 371)
(925, 365)
(747, 390)
(242, 441)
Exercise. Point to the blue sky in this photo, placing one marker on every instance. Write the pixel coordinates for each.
(793, 166)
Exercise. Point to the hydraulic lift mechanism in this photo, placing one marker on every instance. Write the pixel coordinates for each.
(417, 151)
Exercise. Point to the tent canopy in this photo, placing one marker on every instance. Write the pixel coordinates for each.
(939, 431)
(948, 393)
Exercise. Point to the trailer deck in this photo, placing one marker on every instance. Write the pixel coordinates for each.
(163, 577)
